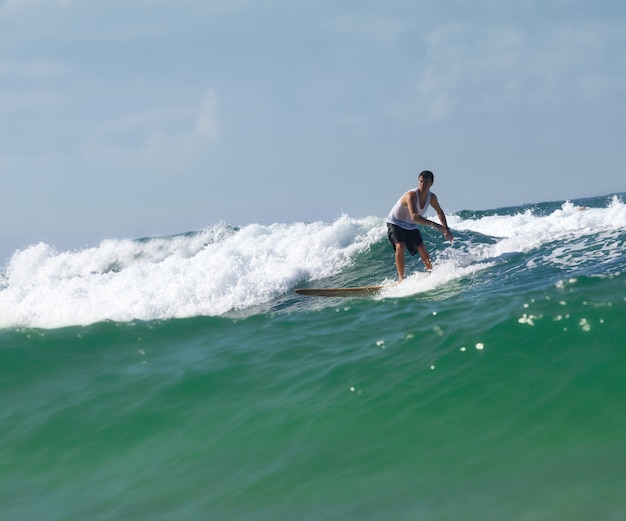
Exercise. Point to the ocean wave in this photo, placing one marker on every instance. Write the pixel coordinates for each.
(224, 269)
(207, 273)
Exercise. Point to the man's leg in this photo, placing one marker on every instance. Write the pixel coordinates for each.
(400, 260)
(425, 257)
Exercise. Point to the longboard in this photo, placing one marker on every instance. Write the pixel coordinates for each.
(339, 292)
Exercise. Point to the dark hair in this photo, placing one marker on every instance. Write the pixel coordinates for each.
(428, 174)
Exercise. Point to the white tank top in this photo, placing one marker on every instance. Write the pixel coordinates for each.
(400, 215)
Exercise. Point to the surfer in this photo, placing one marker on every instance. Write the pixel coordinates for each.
(407, 214)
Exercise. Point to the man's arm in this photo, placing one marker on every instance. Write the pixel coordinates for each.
(434, 202)
(410, 199)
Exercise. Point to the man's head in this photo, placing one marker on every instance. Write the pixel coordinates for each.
(427, 174)
(425, 180)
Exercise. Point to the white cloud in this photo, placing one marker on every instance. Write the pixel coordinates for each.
(10, 7)
(161, 139)
(38, 100)
(467, 68)
(384, 30)
(433, 90)
(174, 123)
(207, 124)
(126, 131)
(34, 69)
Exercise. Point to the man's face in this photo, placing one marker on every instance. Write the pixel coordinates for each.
(424, 183)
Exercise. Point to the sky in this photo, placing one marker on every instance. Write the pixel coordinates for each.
(135, 118)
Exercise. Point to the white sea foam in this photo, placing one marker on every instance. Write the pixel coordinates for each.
(222, 269)
(209, 273)
(420, 282)
(525, 231)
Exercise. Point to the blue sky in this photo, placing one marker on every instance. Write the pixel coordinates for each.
(149, 117)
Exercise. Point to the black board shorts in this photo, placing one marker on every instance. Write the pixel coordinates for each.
(411, 238)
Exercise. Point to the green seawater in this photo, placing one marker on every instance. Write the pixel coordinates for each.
(499, 395)
(366, 410)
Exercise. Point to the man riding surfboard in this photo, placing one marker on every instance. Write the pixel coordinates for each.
(407, 214)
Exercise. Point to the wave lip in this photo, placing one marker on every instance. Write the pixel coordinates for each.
(207, 273)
